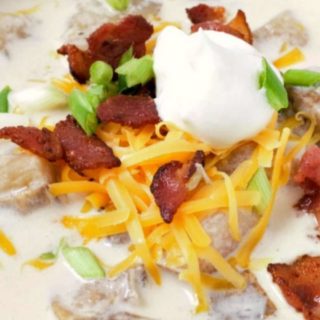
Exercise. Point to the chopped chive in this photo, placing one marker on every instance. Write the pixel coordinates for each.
(48, 256)
(101, 73)
(261, 183)
(136, 71)
(119, 5)
(304, 78)
(83, 262)
(83, 111)
(275, 91)
(127, 56)
(4, 103)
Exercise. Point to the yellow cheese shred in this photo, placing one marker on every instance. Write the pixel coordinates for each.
(292, 57)
(39, 264)
(129, 205)
(6, 245)
(233, 220)
(62, 188)
(192, 274)
(67, 84)
(257, 232)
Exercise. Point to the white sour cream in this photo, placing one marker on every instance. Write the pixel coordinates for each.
(207, 84)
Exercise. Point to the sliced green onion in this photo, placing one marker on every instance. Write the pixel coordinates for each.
(96, 94)
(276, 93)
(127, 56)
(83, 111)
(83, 262)
(37, 99)
(4, 103)
(137, 71)
(304, 78)
(48, 256)
(101, 73)
(261, 183)
(119, 5)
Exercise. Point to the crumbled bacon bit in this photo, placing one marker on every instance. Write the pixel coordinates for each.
(133, 111)
(237, 27)
(239, 23)
(81, 151)
(68, 142)
(79, 61)
(308, 177)
(169, 185)
(309, 168)
(108, 43)
(300, 284)
(43, 142)
(203, 12)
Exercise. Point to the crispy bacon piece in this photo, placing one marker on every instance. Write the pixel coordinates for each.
(239, 23)
(309, 168)
(308, 177)
(169, 185)
(43, 142)
(68, 142)
(300, 284)
(203, 12)
(133, 111)
(238, 27)
(81, 151)
(79, 61)
(112, 40)
(108, 43)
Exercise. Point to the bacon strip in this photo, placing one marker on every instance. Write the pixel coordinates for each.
(43, 142)
(68, 142)
(81, 151)
(203, 12)
(133, 111)
(308, 177)
(169, 185)
(237, 27)
(108, 43)
(300, 284)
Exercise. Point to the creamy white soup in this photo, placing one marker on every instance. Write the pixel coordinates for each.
(30, 33)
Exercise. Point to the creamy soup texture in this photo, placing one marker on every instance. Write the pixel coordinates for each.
(29, 61)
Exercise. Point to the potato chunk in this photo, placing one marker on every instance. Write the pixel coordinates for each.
(23, 181)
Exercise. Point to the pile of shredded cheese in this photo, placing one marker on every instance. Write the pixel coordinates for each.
(129, 206)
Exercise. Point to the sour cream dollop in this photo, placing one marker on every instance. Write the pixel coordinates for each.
(207, 84)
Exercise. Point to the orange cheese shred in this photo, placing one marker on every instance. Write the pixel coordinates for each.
(6, 245)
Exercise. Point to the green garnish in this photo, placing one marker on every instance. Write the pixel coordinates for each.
(261, 183)
(276, 93)
(48, 256)
(83, 111)
(136, 71)
(4, 103)
(83, 262)
(119, 5)
(101, 73)
(128, 55)
(304, 78)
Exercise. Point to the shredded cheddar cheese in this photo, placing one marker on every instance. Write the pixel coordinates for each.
(6, 245)
(292, 57)
(39, 264)
(125, 194)
(67, 84)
